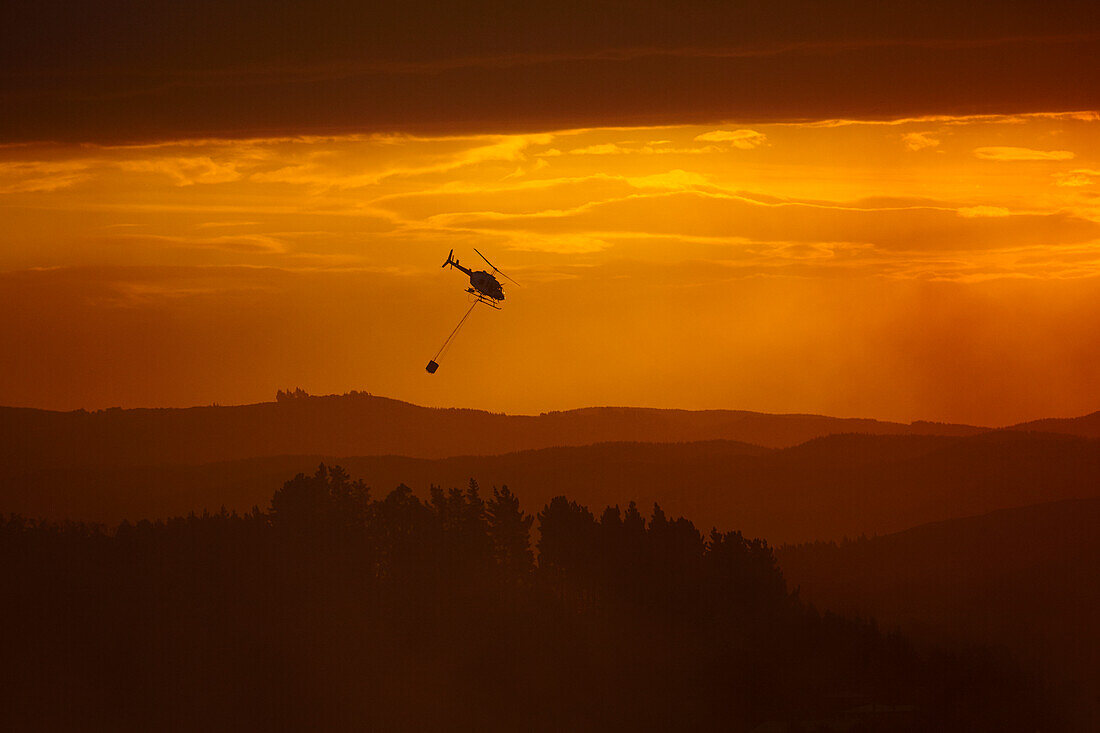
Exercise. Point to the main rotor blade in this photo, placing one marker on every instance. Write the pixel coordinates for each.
(490, 264)
(493, 266)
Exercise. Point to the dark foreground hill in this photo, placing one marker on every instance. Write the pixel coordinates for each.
(362, 424)
(342, 610)
(1023, 578)
(824, 489)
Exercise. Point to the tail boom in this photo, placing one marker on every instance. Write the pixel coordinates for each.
(454, 263)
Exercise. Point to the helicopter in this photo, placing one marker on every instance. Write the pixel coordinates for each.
(484, 286)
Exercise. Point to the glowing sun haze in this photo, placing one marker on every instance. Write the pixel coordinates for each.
(940, 267)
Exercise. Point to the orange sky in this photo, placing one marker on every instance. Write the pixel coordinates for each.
(940, 267)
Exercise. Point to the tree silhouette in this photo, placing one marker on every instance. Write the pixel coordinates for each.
(337, 611)
(510, 533)
(566, 535)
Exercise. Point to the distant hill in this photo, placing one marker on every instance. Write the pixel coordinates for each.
(1024, 578)
(823, 489)
(362, 424)
(1086, 426)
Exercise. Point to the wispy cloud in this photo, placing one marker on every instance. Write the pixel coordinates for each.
(672, 180)
(706, 214)
(36, 176)
(919, 140)
(743, 139)
(1077, 178)
(219, 224)
(961, 119)
(185, 171)
(324, 169)
(1014, 154)
(241, 243)
(972, 212)
(343, 200)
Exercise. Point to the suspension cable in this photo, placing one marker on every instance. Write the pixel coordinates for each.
(450, 338)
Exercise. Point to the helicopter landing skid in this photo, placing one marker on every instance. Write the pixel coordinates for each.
(484, 299)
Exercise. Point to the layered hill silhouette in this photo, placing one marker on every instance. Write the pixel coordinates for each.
(1021, 578)
(1014, 571)
(363, 424)
(826, 488)
(1086, 426)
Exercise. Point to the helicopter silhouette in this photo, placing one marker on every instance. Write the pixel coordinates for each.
(484, 286)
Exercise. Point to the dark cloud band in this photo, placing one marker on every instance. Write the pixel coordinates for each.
(122, 72)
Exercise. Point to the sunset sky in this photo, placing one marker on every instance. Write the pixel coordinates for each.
(892, 216)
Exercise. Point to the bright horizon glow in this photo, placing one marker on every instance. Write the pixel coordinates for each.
(940, 268)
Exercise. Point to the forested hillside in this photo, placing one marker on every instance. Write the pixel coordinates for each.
(338, 609)
(1022, 579)
(824, 489)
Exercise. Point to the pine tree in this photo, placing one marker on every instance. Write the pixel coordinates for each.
(510, 531)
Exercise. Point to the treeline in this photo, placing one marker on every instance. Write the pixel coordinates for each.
(336, 610)
(1022, 578)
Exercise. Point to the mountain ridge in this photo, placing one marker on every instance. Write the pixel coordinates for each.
(827, 488)
(363, 424)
